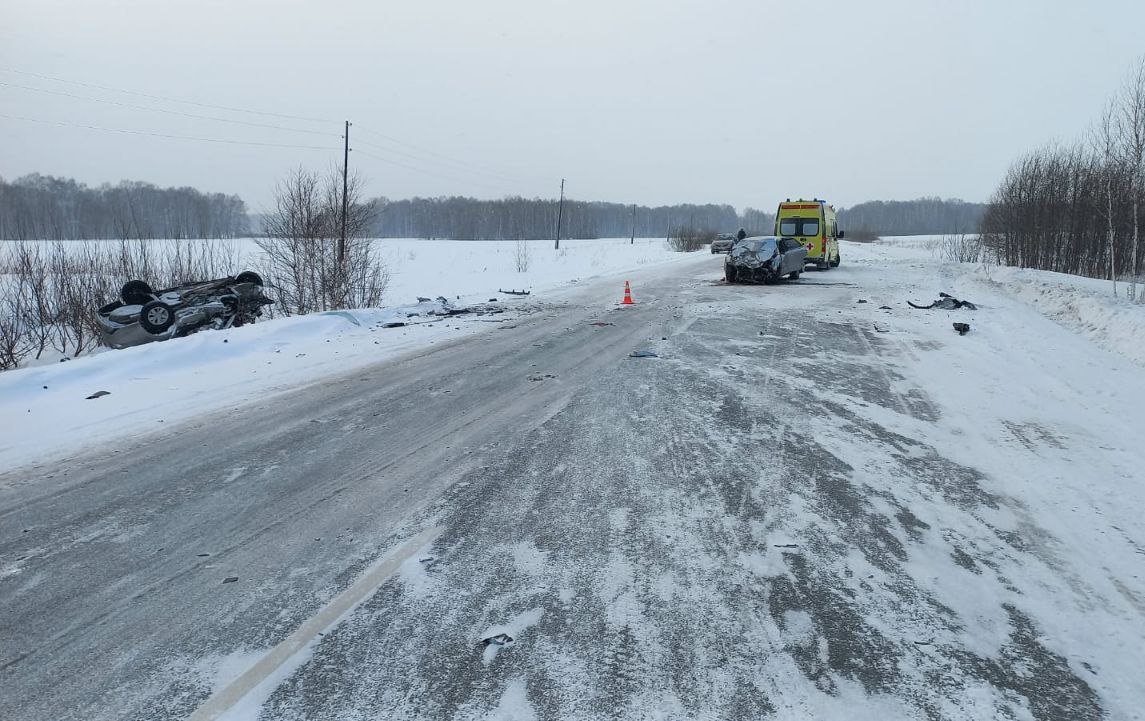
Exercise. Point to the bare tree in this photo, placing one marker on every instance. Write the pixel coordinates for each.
(687, 239)
(1105, 143)
(1132, 123)
(301, 245)
(522, 256)
(14, 341)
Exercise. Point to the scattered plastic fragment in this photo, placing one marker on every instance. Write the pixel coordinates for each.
(962, 328)
(945, 302)
(230, 579)
(501, 639)
(98, 394)
(642, 354)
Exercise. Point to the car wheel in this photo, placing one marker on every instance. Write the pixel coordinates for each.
(156, 317)
(729, 274)
(794, 276)
(249, 276)
(838, 260)
(136, 292)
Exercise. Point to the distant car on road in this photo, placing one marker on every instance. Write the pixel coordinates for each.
(764, 259)
(142, 315)
(723, 243)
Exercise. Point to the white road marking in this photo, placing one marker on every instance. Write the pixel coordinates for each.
(331, 614)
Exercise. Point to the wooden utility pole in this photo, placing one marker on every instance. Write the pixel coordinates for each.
(345, 186)
(632, 241)
(560, 215)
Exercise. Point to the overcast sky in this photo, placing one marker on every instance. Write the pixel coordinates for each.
(647, 101)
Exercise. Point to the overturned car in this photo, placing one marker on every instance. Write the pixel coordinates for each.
(764, 259)
(142, 315)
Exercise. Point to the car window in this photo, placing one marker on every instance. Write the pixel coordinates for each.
(799, 226)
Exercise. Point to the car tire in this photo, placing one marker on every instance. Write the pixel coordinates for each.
(794, 275)
(729, 274)
(156, 317)
(838, 260)
(136, 292)
(249, 276)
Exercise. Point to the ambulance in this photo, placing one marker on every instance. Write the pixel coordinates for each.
(811, 223)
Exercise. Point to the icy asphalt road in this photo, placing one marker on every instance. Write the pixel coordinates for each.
(775, 518)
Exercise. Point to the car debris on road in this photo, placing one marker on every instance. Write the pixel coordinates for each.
(945, 302)
(501, 639)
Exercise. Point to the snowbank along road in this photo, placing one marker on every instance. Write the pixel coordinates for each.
(805, 505)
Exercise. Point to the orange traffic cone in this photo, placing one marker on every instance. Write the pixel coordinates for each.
(627, 295)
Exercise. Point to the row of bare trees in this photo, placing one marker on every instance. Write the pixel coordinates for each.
(1077, 208)
(49, 291)
(921, 216)
(517, 218)
(42, 207)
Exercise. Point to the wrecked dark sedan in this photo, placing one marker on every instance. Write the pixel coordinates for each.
(764, 259)
(142, 315)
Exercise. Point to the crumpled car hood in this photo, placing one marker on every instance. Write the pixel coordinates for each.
(753, 252)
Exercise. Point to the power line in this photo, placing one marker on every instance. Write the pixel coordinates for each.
(161, 135)
(164, 110)
(464, 165)
(423, 170)
(164, 98)
(411, 156)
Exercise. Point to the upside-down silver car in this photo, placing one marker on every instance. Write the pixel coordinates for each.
(142, 315)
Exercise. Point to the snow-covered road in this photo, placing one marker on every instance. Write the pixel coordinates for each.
(788, 513)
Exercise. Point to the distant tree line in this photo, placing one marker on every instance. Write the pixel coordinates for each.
(1077, 208)
(923, 216)
(517, 218)
(43, 207)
